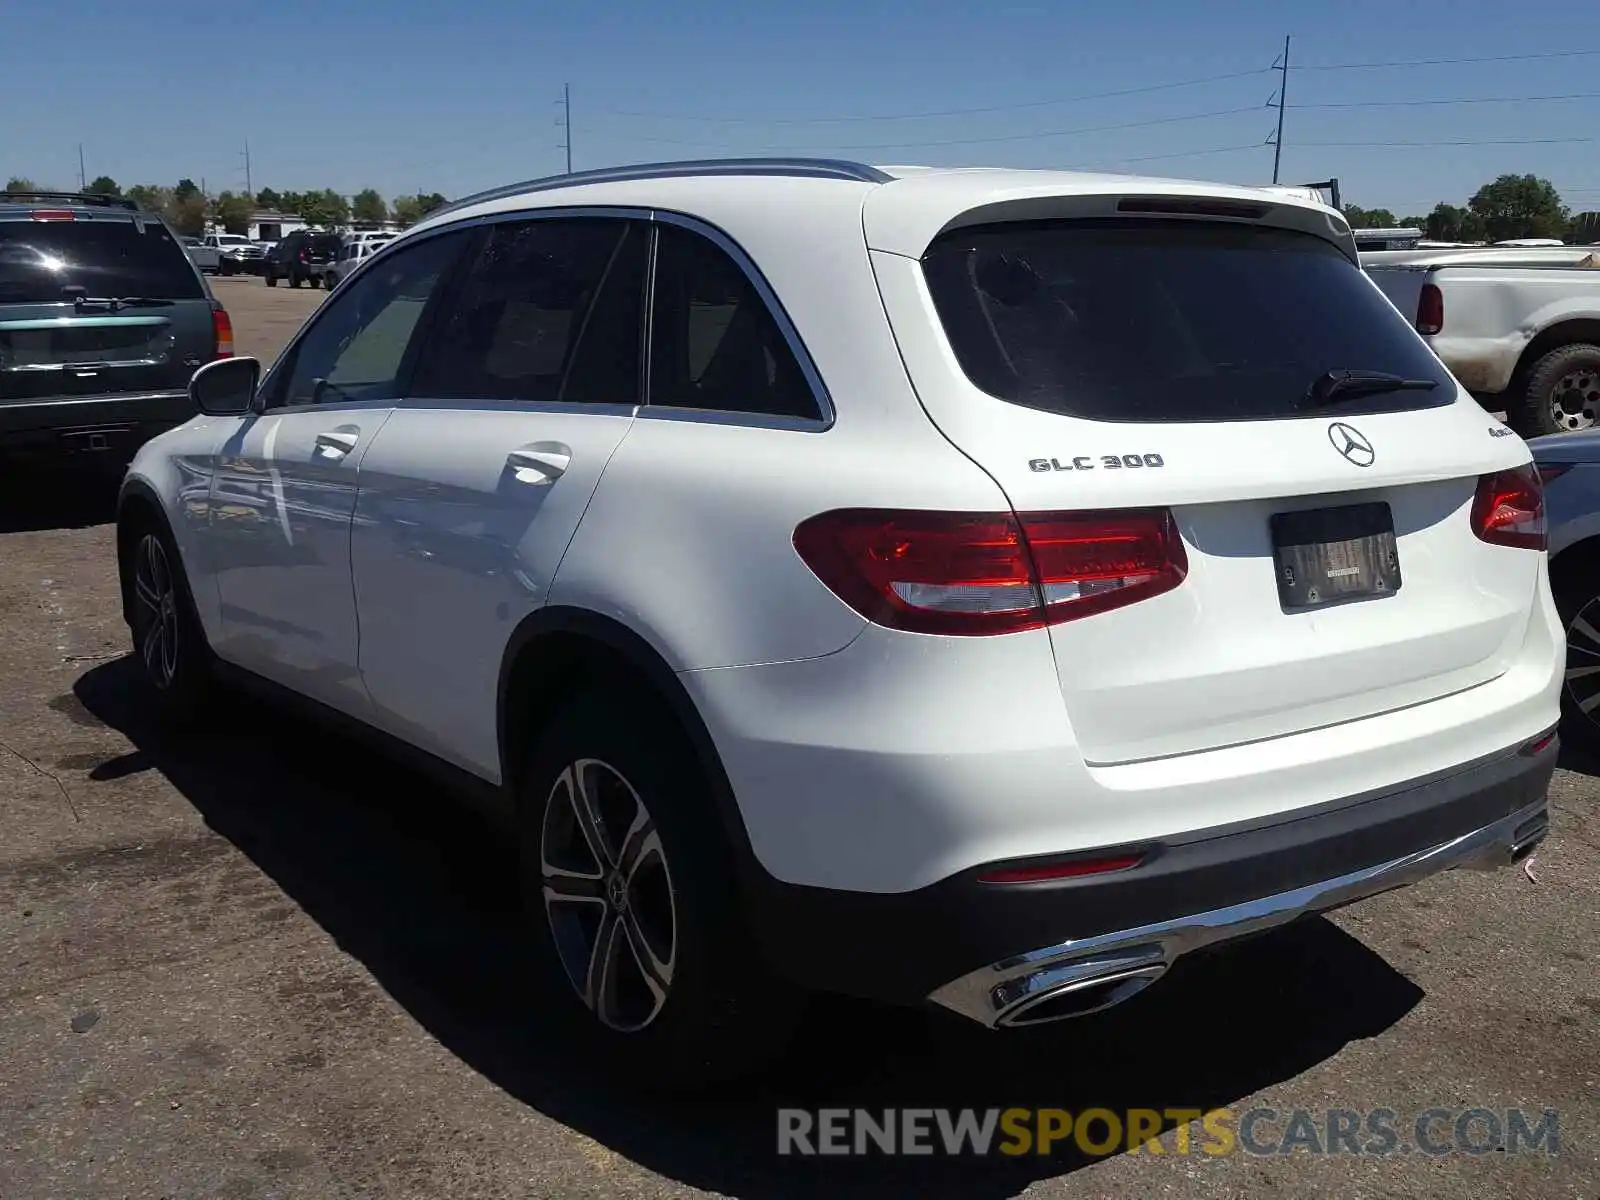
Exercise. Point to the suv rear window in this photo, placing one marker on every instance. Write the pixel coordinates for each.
(1167, 320)
(105, 258)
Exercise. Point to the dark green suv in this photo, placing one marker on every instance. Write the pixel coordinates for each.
(103, 319)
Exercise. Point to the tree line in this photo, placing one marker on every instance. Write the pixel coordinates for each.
(188, 210)
(1512, 206)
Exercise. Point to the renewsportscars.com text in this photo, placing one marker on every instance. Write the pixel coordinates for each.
(1100, 1131)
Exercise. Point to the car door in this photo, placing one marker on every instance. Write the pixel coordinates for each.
(285, 487)
(473, 489)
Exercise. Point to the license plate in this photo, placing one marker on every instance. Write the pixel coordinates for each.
(1327, 556)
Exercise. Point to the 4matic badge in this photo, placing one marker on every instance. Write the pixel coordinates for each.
(1091, 462)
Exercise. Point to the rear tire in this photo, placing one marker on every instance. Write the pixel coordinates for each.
(272, 280)
(168, 639)
(294, 280)
(635, 914)
(1561, 393)
(330, 281)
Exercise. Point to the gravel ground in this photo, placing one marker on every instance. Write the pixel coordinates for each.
(274, 965)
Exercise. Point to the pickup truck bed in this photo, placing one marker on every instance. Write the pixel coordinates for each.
(1520, 328)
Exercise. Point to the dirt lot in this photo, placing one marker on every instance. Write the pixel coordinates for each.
(272, 965)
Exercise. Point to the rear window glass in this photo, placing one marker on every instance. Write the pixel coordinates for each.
(105, 258)
(1168, 321)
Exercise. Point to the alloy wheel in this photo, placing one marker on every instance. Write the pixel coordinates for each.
(608, 895)
(1583, 661)
(1575, 400)
(157, 600)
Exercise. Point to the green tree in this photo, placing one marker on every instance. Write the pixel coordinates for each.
(149, 196)
(1584, 229)
(367, 205)
(1519, 206)
(1448, 223)
(327, 208)
(104, 186)
(187, 213)
(407, 210)
(431, 201)
(186, 188)
(21, 183)
(270, 200)
(1368, 218)
(232, 212)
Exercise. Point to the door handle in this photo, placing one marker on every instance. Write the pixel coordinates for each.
(336, 443)
(538, 466)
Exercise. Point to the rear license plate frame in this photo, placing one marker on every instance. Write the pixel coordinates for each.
(1343, 554)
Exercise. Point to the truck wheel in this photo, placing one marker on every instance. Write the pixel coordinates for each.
(294, 280)
(1561, 394)
(272, 280)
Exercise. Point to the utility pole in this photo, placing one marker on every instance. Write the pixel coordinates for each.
(248, 186)
(566, 119)
(83, 180)
(1283, 89)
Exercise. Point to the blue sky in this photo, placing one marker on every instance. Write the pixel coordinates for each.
(404, 95)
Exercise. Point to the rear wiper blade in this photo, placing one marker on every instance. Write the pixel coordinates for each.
(1343, 383)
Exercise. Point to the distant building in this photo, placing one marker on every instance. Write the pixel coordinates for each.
(269, 226)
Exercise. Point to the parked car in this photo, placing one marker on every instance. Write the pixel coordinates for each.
(1570, 467)
(351, 255)
(1519, 327)
(302, 257)
(976, 587)
(103, 319)
(206, 258)
(267, 247)
(236, 252)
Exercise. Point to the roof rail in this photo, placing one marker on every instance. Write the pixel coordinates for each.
(799, 168)
(91, 198)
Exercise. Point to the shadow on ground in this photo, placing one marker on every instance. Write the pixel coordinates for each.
(422, 894)
(64, 497)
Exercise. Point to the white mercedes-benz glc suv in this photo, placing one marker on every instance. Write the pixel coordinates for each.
(969, 586)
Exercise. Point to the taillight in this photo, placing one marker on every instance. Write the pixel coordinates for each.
(966, 573)
(1430, 309)
(1509, 509)
(223, 325)
(53, 214)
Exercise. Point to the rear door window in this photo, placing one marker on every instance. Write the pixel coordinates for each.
(551, 312)
(1168, 321)
(105, 258)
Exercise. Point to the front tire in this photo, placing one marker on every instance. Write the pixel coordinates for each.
(168, 640)
(1561, 393)
(635, 913)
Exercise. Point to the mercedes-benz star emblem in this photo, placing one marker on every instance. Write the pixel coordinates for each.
(1352, 443)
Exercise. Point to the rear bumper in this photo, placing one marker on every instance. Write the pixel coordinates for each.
(92, 425)
(994, 951)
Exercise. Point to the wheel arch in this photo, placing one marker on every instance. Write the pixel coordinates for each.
(1569, 331)
(558, 651)
(137, 503)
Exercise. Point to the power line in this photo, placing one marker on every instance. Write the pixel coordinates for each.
(1454, 100)
(948, 112)
(975, 141)
(1446, 62)
(1556, 141)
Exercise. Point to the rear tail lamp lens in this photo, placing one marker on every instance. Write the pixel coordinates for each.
(222, 324)
(1430, 309)
(1508, 509)
(968, 573)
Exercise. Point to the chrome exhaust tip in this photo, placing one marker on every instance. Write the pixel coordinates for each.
(1065, 1001)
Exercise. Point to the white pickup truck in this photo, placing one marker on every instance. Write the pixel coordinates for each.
(1518, 326)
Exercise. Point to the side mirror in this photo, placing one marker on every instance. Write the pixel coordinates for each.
(227, 387)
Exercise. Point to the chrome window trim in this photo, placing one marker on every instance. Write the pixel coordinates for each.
(652, 216)
(826, 413)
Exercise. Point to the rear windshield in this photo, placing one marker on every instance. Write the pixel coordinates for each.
(105, 258)
(1168, 321)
